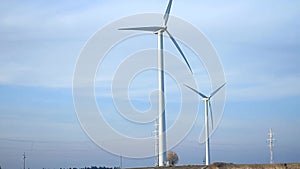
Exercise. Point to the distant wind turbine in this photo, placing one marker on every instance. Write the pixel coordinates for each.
(159, 30)
(207, 104)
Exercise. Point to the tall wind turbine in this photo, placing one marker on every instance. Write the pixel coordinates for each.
(207, 104)
(159, 30)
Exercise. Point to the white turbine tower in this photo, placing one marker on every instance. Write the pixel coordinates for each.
(159, 30)
(207, 104)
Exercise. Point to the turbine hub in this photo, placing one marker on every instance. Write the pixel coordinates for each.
(161, 30)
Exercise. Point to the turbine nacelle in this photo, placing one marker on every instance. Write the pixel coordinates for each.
(205, 99)
(162, 30)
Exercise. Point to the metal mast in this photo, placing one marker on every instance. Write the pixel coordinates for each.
(271, 144)
(121, 161)
(24, 158)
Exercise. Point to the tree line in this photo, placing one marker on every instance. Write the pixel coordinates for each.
(92, 167)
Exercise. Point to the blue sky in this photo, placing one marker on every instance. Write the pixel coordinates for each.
(257, 42)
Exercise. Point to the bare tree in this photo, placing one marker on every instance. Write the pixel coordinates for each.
(172, 158)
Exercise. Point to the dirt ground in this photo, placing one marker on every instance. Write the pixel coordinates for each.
(233, 166)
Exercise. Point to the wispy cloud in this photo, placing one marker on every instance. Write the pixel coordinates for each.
(263, 87)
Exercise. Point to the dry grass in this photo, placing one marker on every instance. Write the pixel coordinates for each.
(233, 166)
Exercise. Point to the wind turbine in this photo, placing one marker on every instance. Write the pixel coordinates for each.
(159, 30)
(207, 104)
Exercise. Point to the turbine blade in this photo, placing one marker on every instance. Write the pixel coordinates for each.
(148, 29)
(211, 115)
(213, 93)
(178, 48)
(202, 95)
(167, 13)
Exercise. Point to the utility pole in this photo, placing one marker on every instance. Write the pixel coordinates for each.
(121, 161)
(271, 144)
(24, 158)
